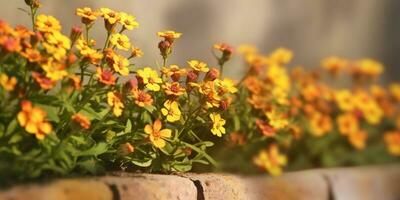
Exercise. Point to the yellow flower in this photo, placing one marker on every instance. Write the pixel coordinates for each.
(109, 15)
(169, 35)
(33, 120)
(226, 85)
(82, 120)
(395, 91)
(277, 120)
(281, 56)
(198, 66)
(174, 72)
(156, 134)
(344, 100)
(271, 160)
(128, 21)
(334, 65)
(320, 124)
(278, 77)
(373, 114)
(87, 15)
(173, 89)
(121, 41)
(392, 141)
(358, 139)
(136, 52)
(367, 67)
(149, 78)
(218, 124)
(115, 102)
(54, 69)
(348, 124)
(142, 99)
(8, 83)
(171, 111)
(47, 23)
(120, 65)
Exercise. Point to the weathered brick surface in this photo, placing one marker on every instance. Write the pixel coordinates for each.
(74, 189)
(362, 183)
(291, 186)
(151, 186)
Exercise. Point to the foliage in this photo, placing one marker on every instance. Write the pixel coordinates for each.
(69, 106)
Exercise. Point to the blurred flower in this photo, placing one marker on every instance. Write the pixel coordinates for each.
(82, 120)
(394, 89)
(218, 124)
(8, 83)
(320, 124)
(171, 111)
(136, 52)
(344, 99)
(265, 128)
(358, 139)
(392, 140)
(348, 124)
(281, 56)
(33, 120)
(44, 82)
(277, 120)
(271, 160)
(114, 100)
(156, 134)
(334, 65)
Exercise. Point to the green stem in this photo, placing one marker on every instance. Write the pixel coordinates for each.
(33, 14)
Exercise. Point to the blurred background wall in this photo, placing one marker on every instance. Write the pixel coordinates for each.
(313, 29)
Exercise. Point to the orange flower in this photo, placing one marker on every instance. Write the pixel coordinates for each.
(253, 84)
(271, 160)
(320, 124)
(142, 98)
(156, 134)
(105, 76)
(358, 139)
(8, 83)
(44, 82)
(334, 65)
(173, 89)
(114, 100)
(348, 124)
(258, 102)
(265, 128)
(33, 55)
(125, 149)
(82, 120)
(392, 140)
(174, 72)
(33, 120)
(169, 36)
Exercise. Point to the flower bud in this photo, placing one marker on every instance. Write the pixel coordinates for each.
(191, 76)
(125, 149)
(212, 74)
(76, 32)
(165, 48)
(224, 104)
(133, 83)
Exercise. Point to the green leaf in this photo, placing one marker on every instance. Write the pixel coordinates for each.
(96, 150)
(141, 163)
(11, 126)
(202, 152)
(52, 112)
(128, 126)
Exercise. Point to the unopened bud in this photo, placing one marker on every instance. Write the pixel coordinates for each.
(165, 48)
(125, 149)
(191, 76)
(76, 32)
(212, 74)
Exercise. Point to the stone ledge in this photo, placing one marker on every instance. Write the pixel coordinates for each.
(377, 182)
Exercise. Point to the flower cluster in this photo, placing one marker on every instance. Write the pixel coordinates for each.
(71, 104)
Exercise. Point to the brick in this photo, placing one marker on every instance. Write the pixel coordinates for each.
(73, 189)
(151, 186)
(366, 183)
